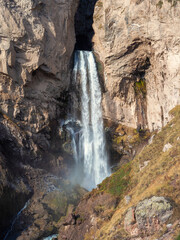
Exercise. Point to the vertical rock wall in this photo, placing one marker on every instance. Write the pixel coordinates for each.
(138, 43)
(37, 40)
(36, 43)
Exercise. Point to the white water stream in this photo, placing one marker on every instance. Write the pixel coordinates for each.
(89, 144)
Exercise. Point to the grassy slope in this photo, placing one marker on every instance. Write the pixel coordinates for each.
(161, 177)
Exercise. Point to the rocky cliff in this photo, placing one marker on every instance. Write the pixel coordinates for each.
(37, 40)
(137, 47)
(138, 43)
(36, 44)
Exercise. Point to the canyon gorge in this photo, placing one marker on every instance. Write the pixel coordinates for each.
(90, 119)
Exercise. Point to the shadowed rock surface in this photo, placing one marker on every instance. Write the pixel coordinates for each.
(37, 40)
(83, 24)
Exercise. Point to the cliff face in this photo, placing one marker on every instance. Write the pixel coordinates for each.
(36, 43)
(138, 43)
(37, 40)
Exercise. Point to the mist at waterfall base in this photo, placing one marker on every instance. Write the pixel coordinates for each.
(87, 133)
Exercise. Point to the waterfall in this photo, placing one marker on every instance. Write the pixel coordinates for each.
(54, 236)
(88, 144)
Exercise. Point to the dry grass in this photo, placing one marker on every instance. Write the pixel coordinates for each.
(161, 177)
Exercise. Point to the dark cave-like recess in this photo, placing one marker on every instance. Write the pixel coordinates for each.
(83, 25)
(83, 43)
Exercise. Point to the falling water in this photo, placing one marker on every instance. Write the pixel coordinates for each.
(89, 144)
(54, 236)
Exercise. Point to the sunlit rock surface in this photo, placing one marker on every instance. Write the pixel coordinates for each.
(138, 41)
(36, 43)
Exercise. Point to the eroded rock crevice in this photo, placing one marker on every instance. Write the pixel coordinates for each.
(83, 25)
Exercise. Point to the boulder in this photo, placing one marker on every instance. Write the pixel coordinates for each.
(148, 216)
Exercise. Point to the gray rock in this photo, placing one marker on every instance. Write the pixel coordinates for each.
(127, 199)
(153, 207)
(169, 226)
(130, 217)
(148, 216)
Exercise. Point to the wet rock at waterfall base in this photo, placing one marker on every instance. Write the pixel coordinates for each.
(87, 216)
(53, 198)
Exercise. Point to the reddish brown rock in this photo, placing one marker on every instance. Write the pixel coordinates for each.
(90, 213)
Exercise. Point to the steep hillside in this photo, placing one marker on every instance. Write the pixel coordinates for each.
(141, 200)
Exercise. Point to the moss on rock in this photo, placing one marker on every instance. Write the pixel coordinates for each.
(56, 202)
(140, 87)
(118, 182)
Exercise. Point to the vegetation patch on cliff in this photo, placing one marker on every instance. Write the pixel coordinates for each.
(178, 238)
(159, 4)
(172, 2)
(118, 182)
(140, 87)
(125, 142)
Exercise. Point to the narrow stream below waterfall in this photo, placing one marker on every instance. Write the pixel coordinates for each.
(87, 133)
(14, 221)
